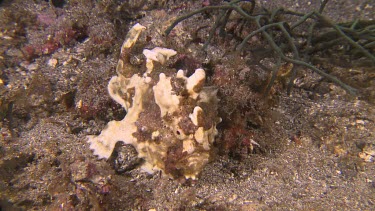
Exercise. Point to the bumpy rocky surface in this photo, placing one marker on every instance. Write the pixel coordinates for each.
(171, 119)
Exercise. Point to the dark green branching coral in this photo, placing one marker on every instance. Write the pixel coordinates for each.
(322, 34)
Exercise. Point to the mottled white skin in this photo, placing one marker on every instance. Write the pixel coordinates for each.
(192, 149)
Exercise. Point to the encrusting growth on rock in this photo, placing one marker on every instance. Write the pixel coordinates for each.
(171, 118)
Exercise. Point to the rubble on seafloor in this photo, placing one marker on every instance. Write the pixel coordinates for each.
(300, 151)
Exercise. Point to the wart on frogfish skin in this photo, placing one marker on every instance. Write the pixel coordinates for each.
(172, 128)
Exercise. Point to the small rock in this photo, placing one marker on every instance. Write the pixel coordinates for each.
(23, 64)
(71, 61)
(32, 67)
(368, 153)
(368, 6)
(369, 149)
(366, 157)
(339, 150)
(79, 104)
(126, 158)
(233, 198)
(53, 62)
(359, 121)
